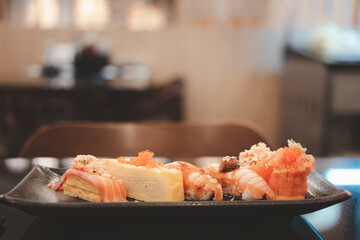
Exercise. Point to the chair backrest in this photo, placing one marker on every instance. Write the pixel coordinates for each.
(68, 139)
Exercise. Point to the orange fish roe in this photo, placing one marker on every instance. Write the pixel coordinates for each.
(291, 155)
(293, 160)
(144, 158)
(291, 166)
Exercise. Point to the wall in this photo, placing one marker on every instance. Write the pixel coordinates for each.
(230, 74)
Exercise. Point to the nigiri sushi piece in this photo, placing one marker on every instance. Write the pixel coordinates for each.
(198, 185)
(291, 166)
(240, 182)
(258, 159)
(219, 170)
(87, 179)
(252, 185)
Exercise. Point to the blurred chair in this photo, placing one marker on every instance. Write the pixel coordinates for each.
(68, 139)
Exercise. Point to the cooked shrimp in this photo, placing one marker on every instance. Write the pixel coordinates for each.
(197, 184)
(241, 182)
(251, 184)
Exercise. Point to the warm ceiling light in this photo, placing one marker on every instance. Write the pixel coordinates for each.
(144, 16)
(91, 14)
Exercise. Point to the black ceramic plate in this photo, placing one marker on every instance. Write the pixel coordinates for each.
(33, 195)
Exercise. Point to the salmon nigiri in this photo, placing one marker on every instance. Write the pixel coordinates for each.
(291, 166)
(88, 179)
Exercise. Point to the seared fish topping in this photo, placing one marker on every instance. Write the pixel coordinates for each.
(229, 163)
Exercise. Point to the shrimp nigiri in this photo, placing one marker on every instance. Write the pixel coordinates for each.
(198, 185)
(241, 182)
(250, 184)
(258, 159)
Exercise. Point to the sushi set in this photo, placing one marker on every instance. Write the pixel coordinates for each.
(259, 183)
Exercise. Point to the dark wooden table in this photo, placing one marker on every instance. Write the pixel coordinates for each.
(340, 221)
(24, 109)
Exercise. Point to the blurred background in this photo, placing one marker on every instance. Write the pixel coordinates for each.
(290, 66)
